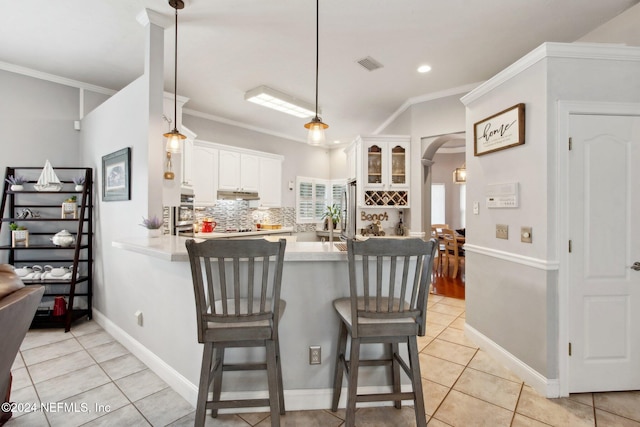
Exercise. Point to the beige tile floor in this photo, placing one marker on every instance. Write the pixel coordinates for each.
(463, 387)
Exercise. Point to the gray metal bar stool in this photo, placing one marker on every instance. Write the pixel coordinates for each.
(237, 292)
(389, 285)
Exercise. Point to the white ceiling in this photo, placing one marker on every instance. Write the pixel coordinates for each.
(227, 47)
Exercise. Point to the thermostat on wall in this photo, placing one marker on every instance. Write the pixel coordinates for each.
(502, 195)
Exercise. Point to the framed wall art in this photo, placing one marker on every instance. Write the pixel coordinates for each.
(116, 175)
(500, 131)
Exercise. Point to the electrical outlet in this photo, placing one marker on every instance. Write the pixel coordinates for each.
(526, 235)
(502, 231)
(315, 355)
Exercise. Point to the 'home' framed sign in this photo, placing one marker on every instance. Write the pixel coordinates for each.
(500, 131)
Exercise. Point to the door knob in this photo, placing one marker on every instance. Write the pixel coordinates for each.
(636, 266)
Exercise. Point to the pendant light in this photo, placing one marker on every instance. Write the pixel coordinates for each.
(316, 126)
(460, 174)
(174, 138)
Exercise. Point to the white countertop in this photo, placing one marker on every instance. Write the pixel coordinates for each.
(173, 249)
(222, 234)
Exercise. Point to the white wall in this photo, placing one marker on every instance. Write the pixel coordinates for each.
(515, 286)
(36, 118)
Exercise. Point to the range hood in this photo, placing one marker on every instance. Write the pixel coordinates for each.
(237, 195)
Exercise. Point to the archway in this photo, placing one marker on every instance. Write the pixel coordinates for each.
(430, 145)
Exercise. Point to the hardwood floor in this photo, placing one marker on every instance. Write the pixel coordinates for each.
(447, 286)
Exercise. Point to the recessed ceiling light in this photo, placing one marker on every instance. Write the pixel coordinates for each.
(424, 69)
(337, 141)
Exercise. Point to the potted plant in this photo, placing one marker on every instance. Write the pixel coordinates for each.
(79, 182)
(16, 182)
(19, 234)
(331, 215)
(70, 207)
(153, 224)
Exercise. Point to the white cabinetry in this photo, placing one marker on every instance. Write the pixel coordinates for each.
(222, 167)
(187, 158)
(383, 169)
(187, 163)
(239, 171)
(270, 190)
(205, 174)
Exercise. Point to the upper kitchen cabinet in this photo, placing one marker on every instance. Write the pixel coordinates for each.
(270, 190)
(187, 158)
(239, 171)
(383, 169)
(205, 173)
(223, 167)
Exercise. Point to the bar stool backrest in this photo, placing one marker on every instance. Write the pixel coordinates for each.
(389, 279)
(236, 281)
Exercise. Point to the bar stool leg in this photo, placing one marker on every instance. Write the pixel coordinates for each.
(416, 382)
(280, 385)
(352, 389)
(395, 372)
(203, 387)
(273, 383)
(216, 374)
(339, 368)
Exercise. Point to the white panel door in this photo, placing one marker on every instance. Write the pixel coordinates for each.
(604, 289)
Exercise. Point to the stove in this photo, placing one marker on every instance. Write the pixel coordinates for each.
(237, 230)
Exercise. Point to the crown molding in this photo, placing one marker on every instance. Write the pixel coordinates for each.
(425, 98)
(223, 120)
(597, 51)
(55, 79)
(149, 16)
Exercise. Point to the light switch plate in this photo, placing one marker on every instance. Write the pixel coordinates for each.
(476, 208)
(502, 231)
(526, 235)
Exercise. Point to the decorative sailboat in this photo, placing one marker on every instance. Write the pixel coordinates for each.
(48, 180)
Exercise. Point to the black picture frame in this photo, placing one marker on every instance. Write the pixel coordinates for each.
(116, 176)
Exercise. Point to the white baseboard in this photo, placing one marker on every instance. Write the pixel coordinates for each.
(547, 387)
(176, 381)
(295, 400)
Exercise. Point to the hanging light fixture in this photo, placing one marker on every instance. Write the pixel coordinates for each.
(460, 175)
(316, 126)
(174, 138)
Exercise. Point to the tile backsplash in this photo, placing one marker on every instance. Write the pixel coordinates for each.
(238, 214)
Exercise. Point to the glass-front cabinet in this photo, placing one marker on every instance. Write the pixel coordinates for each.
(374, 164)
(386, 163)
(382, 167)
(399, 164)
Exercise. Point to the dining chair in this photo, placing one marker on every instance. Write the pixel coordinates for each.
(452, 252)
(389, 285)
(437, 230)
(237, 292)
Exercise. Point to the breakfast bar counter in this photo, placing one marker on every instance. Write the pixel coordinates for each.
(172, 248)
(314, 274)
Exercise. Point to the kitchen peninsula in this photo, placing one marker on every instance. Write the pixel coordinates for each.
(314, 275)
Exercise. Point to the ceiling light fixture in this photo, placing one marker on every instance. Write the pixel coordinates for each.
(424, 69)
(280, 101)
(174, 138)
(316, 126)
